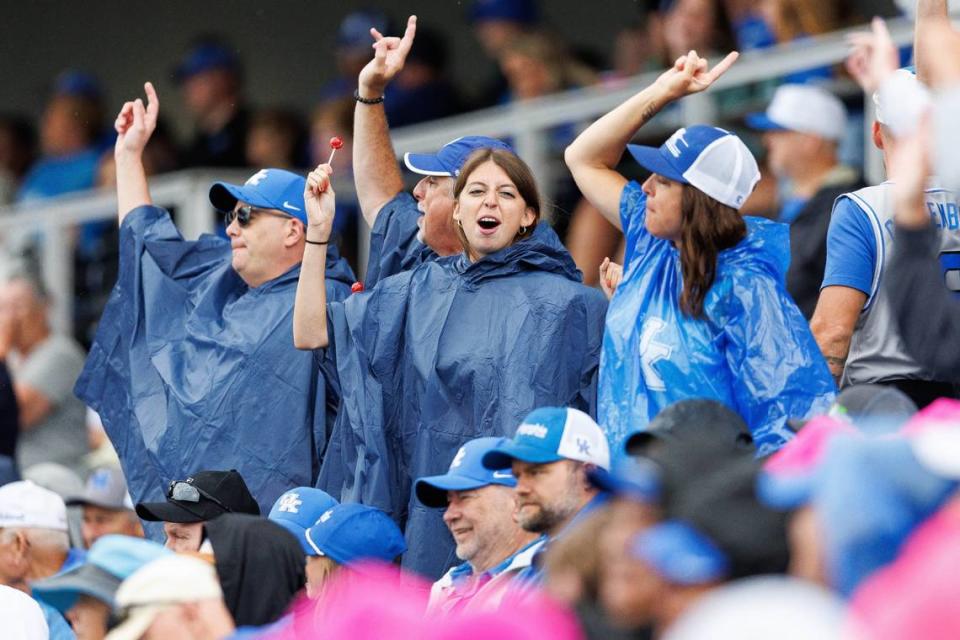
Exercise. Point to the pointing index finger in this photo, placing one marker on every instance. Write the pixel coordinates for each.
(723, 65)
(407, 41)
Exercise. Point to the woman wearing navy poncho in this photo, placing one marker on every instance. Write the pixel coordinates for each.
(701, 311)
(457, 348)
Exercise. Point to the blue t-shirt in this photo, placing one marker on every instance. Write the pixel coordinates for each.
(851, 249)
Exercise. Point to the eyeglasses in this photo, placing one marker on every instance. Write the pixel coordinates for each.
(186, 492)
(245, 213)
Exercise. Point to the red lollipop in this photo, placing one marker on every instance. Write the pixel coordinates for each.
(336, 142)
(356, 287)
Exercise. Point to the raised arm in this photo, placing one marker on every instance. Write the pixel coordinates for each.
(310, 307)
(375, 170)
(135, 124)
(929, 13)
(593, 156)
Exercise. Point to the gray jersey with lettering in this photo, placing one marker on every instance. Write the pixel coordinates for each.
(876, 352)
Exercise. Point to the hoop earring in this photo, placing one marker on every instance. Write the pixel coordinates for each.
(523, 231)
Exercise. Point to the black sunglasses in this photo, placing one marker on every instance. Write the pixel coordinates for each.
(186, 492)
(245, 213)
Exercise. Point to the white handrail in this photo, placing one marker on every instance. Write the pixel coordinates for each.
(525, 122)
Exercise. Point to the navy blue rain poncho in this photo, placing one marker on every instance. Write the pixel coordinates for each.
(192, 369)
(753, 352)
(448, 352)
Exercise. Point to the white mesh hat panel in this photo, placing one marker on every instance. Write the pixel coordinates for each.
(725, 170)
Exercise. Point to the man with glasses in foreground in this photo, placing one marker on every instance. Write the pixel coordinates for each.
(191, 502)
(193, 366)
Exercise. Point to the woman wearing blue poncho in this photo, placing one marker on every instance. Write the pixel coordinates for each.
(454, 349)
(701, 311)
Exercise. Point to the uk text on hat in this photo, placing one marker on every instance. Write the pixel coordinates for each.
(804, 108)
(105, 488)
(298, 509)
(549, 434)
(266, 189)
(711, 159)
(466, 472)
(24, 504)
(451, 157)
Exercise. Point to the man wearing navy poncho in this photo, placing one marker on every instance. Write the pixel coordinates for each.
(193, 366)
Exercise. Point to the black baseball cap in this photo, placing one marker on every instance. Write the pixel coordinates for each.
(219, 492)
(698, 421)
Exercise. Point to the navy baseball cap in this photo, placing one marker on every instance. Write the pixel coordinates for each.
(549, 434)
(633, 478)
(77, 84)
(349, 533)
(450, 158)
(466, 472)
(681, 554)
(267, 189)
(111, 560)
(354, 31)
(206, 56)
(712, 159)
(522, 11)
(298, 509)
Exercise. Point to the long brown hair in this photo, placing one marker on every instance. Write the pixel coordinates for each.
(518, 172)
(707, 227)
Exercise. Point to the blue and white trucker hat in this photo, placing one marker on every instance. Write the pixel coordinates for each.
(549, 434)
(466, 472)
(804, 108)
(266, 189)
(450, 158)
(711, 159)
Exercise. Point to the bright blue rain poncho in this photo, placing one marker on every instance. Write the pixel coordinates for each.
(191, 369)
(448, 352)
(753, 352)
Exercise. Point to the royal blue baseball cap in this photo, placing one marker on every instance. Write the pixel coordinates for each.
(266, 189)
(206, 56)
(466, 472)
(712, 159)
(451, 157)
(349, 533)
(549, 434)
(630, 477)
(298, 509)
(681, 554)
(522, 11)
(111, 560)
(354, 30)
(77, 84)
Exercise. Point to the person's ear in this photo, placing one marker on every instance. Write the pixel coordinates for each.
(877, 135)
(456, 210)
(296, 231)
(529, 217)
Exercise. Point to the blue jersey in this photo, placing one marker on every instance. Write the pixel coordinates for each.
(753, 350)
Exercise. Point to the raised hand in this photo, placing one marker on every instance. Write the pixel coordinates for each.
(321, 202)
(611, 274)
(135, 123)
(691, 74)
(873, 56)
(390, 54)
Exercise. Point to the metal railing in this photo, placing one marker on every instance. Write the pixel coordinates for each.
(526, 123)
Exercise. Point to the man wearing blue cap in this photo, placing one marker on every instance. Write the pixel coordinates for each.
(854, 321)
(193, 366)
(406, 230)
(478, 509)
(551, 455)
(85, 593)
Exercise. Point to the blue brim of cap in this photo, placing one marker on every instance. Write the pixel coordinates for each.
(61, 591)
(426, 165)
(224, 197)
(785, 493)
(651, 159)
(680, 554)
(432, 490)
(639, 488)
(762, 122)
(503, 457)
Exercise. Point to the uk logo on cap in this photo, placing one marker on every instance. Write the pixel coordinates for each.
(550, 434)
